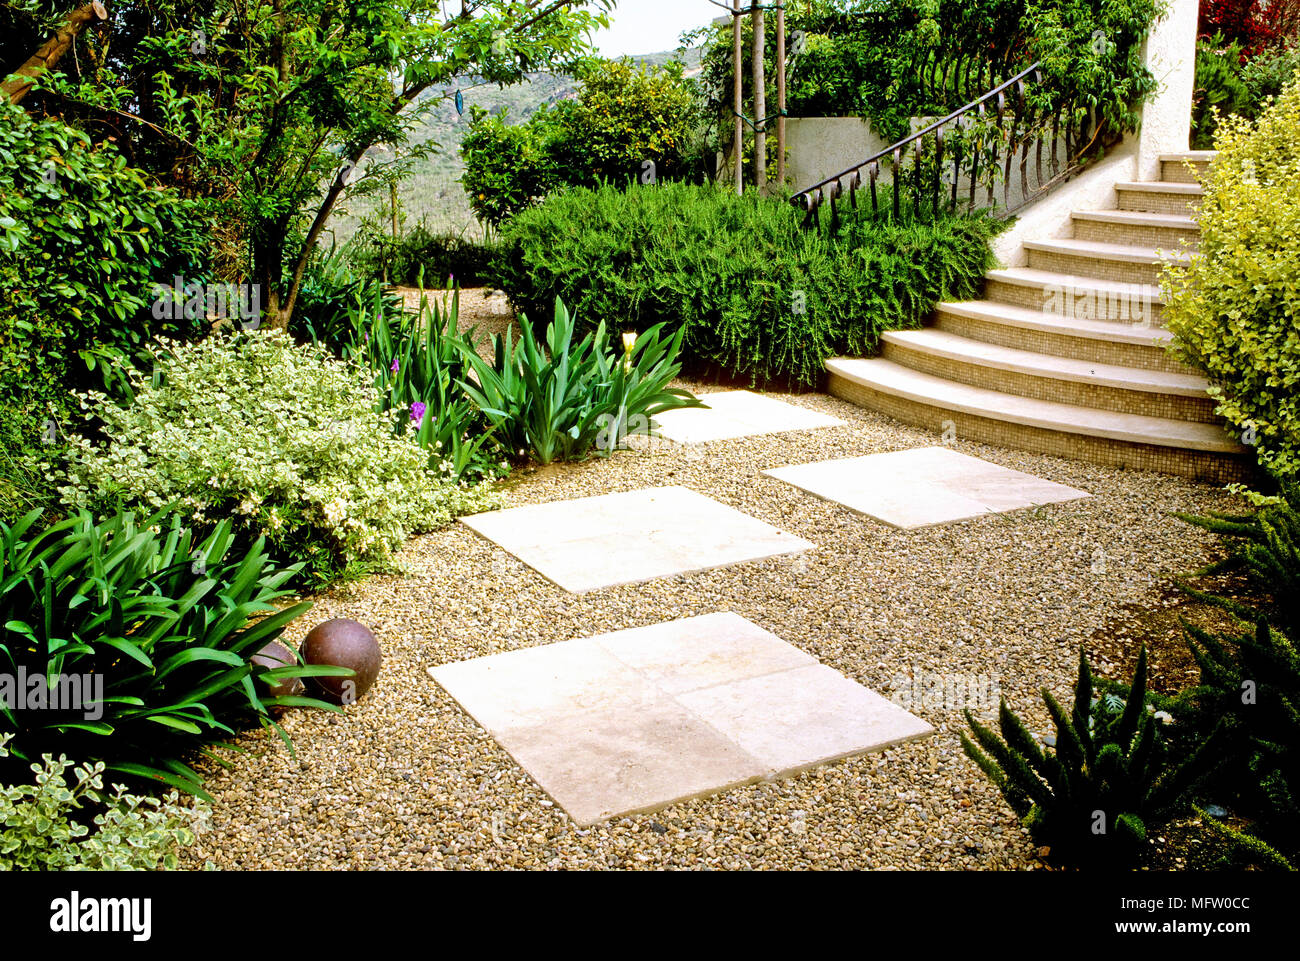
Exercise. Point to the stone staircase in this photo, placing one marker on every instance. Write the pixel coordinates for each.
(1067, 355)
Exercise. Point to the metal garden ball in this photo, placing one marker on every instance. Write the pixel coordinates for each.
(275, 655)
(342, 642)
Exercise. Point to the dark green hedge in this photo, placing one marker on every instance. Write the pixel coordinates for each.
(735, 271)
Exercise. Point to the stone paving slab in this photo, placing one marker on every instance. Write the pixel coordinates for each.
(737, 413)
(924, 486)
(636, 720)
(630, 537)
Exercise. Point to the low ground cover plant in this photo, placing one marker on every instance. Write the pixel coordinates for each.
(283, 439)
(83, 236)
(758, 297)
(57, 824)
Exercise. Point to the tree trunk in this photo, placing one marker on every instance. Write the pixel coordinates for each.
(51, 50)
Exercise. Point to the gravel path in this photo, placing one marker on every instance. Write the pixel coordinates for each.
(407, 780)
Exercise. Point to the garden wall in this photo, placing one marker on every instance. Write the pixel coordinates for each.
(821, 146)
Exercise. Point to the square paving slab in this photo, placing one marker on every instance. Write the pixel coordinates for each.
(626, 538)
(924, 486)
(737, 413)
(635, 720)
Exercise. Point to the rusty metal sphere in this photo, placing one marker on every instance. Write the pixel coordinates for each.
(275, 655)
(342, 642)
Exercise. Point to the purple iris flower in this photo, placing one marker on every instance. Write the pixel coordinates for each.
(396, 366)
(417, 413)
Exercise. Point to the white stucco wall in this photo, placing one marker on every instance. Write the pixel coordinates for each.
(1048, 217)
(1170, 54)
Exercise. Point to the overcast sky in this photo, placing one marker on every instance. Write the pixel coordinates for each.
(650, 26)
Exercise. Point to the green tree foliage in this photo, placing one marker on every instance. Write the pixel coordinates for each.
(1220, 88)
(1229, 83)
(507, 166)
(630, 124)
(893, 60)
(272, 111)
(83, 236)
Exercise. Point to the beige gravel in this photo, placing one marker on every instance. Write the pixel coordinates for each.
(407, 780)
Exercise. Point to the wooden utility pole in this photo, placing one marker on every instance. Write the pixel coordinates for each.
(780, 92)
(760, 98)
(739, 96)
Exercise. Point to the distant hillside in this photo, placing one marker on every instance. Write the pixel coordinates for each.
(433, 192)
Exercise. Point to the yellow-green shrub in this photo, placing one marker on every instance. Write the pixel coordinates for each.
(1235, 309)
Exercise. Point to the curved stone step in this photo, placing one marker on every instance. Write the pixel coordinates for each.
(1137, 227)
(1174, 167)
(1099, 341)
(1075, 296)
(1161, 196)
(1202, 451)
(1089, 258)
(1063, 380)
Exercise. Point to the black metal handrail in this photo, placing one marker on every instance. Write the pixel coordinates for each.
(1027, 128)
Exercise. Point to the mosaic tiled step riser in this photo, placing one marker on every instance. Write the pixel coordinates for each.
(639, 719)
(1083, 265)
(1158, 203)
(1183, 172)
(1092, 349)
(1133, 305)
(1058, 389)
(1137, 235)
(1211, 468)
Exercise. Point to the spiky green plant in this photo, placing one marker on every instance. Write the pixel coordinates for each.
(159, 629)
(418, 365)
(1092, 797)
(1264, 545)
(551, 399)
(1250, 685)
